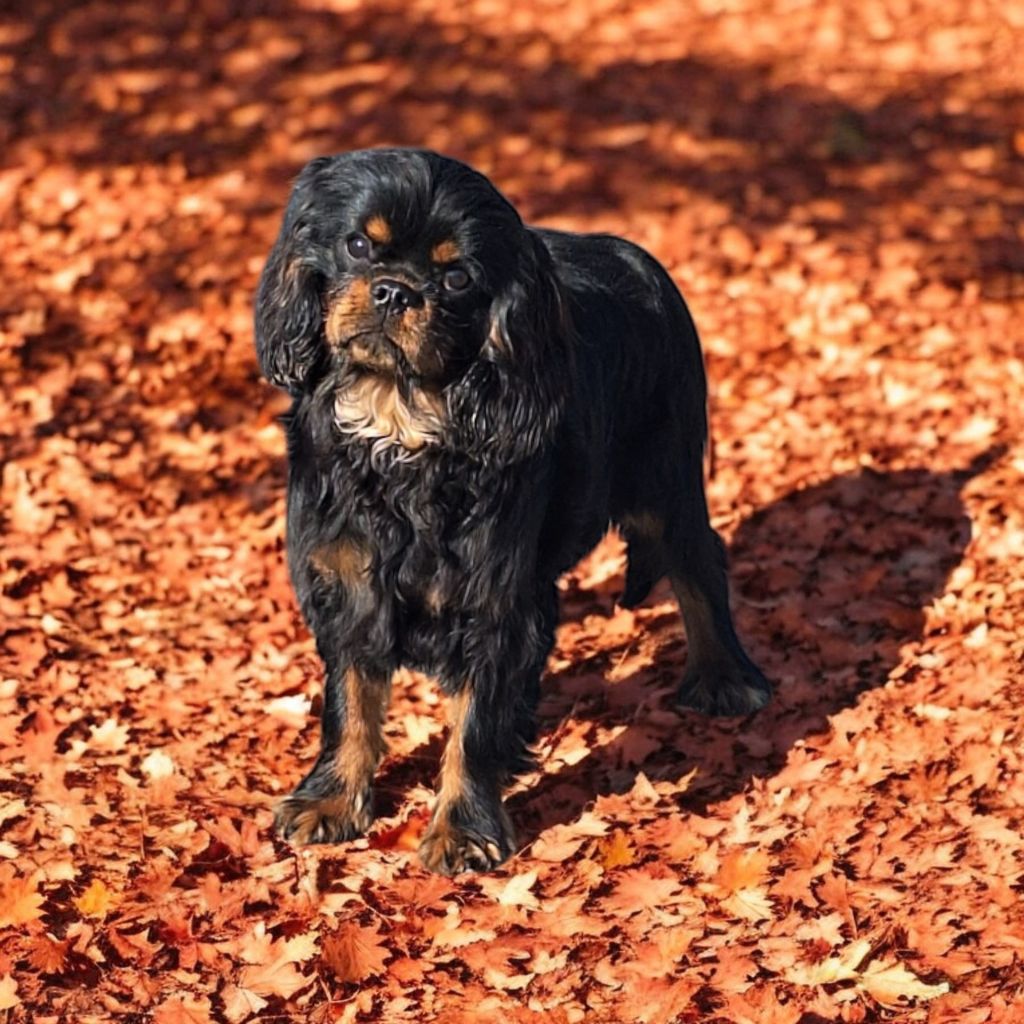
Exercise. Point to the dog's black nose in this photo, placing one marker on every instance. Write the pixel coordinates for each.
(394, 297)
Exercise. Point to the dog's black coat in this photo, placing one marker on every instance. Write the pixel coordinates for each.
(572, 395)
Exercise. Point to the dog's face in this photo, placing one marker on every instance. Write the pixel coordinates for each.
(406, 281)
(413, 261)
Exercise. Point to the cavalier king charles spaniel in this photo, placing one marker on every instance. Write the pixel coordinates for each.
(475, 401)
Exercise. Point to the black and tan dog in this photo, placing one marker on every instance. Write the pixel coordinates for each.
(475, 401)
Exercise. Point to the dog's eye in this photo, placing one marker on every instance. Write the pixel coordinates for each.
(358, 247)
(456, 279)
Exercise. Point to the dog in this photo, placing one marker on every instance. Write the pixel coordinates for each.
(475, 401)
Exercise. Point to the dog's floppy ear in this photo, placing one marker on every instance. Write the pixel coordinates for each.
(510, 400)
(288, 308)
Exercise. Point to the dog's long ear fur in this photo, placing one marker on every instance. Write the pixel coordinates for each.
(509, 402)
(288, 308)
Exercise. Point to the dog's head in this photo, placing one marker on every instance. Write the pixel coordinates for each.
(410, 285)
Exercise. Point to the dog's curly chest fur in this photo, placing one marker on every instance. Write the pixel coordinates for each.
(372, 407)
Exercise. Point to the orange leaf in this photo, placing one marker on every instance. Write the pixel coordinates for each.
(183, 1010)
(46, 954)
(616, 851)
(354, 953)
(276, 978)
(8, 993)
(638, 889)
(742, 869)
(515, 892)
(241, 1004)
(405, 836)
(96, 901)
(20, 902)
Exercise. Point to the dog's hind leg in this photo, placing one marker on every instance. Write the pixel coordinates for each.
(720, 677)
(646, 562)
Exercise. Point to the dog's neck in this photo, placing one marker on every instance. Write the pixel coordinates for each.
(372, 406)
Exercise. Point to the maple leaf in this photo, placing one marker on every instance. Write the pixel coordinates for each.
(742, 869)
(834, 891)
(637, 889)
(837, 968)
(616, 851)
(135, 946)
(454, 933)
(240, 1003)
(20, 902)
(887, 983)
(565, 918)
(271, 969)
(749, 904)
(354, 953)
(96, 901)
(759, 1005)
(405, 836)
(46, 954)
(8, 993)
(657, 957)
(278, 977)
(663, 1000)
(109, 735)
(560, 842)
(515, 892)
(183, 1010)
(822, 929)
(892, 984)
(12, 809)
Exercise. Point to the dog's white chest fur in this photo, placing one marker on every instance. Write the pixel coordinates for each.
(372, 407)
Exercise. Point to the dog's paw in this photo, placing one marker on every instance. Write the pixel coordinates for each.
(450, 849)
(308, 818)
(726, 688)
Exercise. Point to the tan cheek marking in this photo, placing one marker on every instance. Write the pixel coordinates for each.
(348, 560)
(362, 738)
(411, 332)
(445, 252)
(347, 309)
(378, 229)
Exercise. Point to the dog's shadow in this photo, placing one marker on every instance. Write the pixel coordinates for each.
(830, 584)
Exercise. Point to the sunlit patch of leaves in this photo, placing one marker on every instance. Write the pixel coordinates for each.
(838, 193)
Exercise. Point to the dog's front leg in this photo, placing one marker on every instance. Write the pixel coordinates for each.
(491, 722)
(334, 802)
(469, 829)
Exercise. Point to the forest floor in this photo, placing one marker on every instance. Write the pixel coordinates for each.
(838, 189)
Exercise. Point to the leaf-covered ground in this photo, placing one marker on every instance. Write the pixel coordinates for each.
(838, 188)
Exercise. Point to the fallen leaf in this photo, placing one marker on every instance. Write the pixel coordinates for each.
(96, 901)
(8, 993)
(892, 985)
(515, 892)
(183, 1010)
(20, 902)
(354, 953)
(616, 851)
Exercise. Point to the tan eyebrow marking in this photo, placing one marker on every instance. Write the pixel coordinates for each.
(378, 229)
(445, 252)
